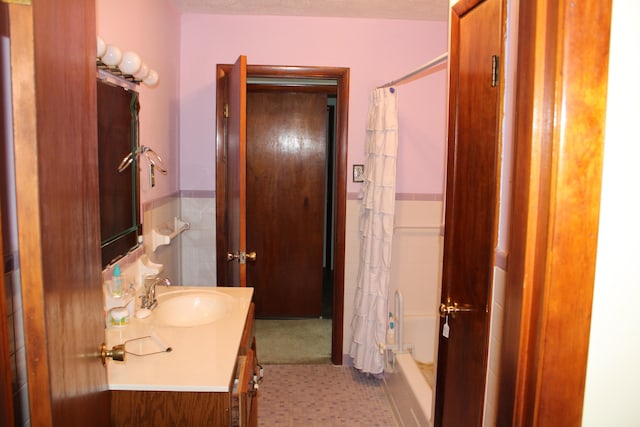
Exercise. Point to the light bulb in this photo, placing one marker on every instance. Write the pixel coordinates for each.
(112, 55)
(130, 63)
(101, 48)
(152, 79)
(142, 72)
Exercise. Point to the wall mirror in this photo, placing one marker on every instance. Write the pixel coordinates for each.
(120, 226)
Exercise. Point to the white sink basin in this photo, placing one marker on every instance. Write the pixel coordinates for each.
(191, 308)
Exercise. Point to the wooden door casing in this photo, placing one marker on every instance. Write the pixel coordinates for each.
(562, 74)
(470, 216)
(341, 75)
(6, 385)
(286, 156)
(6, 389)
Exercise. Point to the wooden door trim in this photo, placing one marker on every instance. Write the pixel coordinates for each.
(561, 93)
(6, 389)
(26, 170)
(341, 75)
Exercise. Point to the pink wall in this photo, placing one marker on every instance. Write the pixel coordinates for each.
(152, 29)
(376, 51)
(177, 117)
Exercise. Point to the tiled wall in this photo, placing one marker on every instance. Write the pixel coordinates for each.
(156, 215)
(16, 341)
(190, 258)
(199, 242)
(495, 333)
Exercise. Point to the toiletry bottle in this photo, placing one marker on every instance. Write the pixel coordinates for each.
(391, 331)
(116, 282)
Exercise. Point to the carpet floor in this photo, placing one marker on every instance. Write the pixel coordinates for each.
(299, 341)
(322, 396)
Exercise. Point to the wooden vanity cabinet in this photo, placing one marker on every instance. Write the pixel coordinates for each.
(248, 374)
(169, 408)
(248, 341)
(237, 408)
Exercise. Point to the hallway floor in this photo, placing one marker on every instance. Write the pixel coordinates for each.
(322, 396)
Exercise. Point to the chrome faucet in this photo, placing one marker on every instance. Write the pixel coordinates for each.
(149, 298)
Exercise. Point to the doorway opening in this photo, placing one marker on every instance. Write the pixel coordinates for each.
(332, 85)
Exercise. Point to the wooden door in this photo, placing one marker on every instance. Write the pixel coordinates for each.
(56, 166)
(236, 174)
(470, 219)
(286, 161)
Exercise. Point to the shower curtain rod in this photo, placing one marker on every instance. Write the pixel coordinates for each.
(425, 67)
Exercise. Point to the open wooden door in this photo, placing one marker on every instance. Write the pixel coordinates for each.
(470, 219)
(57, 204)
(235, 178)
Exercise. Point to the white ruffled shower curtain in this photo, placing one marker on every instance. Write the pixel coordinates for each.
(376, 232)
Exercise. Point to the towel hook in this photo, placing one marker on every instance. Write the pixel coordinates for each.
(154, 159)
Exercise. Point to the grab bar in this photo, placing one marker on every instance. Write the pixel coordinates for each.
(399, 308)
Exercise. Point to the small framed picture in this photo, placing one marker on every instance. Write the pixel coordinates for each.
(358, 173)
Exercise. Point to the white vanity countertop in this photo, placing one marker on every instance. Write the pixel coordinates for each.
(202, 358)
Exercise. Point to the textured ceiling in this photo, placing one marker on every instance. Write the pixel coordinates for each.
(427, 10)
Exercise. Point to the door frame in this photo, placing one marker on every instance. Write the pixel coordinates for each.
(6, 385)
(341, 75)
(562, 71)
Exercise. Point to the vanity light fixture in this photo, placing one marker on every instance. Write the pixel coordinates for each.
(127, 65)
(130, 63)
(151, 79)
(112, 55)
(142, 72)
(101, 48)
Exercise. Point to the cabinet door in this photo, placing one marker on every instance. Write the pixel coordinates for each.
(248, 335)
(246, 394)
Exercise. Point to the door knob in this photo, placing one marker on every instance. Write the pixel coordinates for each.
(242, 257)
(116, 353)
(451, 308)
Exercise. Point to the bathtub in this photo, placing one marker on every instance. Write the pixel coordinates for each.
(409, 392)
(409, 376)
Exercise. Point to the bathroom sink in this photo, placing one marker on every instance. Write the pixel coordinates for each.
(191, 308)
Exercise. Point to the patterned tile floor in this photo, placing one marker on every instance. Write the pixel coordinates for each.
(322, 396)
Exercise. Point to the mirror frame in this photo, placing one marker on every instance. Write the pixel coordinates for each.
(118, 136)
